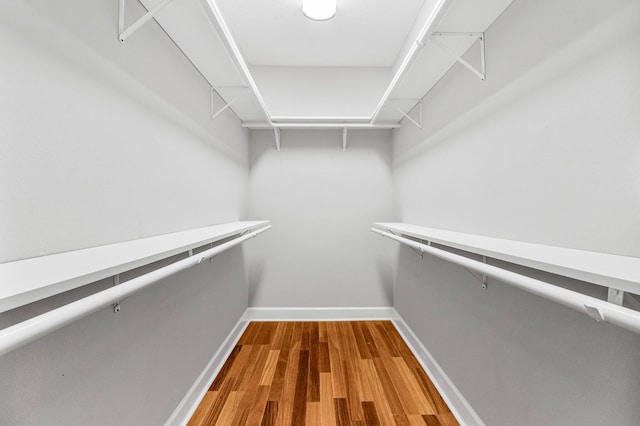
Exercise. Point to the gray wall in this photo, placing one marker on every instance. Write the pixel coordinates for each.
(99, 143)
(321, 201)
(544, 151)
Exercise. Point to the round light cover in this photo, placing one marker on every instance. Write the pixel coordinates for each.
(319, 10)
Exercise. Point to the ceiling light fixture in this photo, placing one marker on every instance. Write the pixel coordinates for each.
(319, 10)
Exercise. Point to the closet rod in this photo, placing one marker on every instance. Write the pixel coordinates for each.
(597, 309)
(20, 334)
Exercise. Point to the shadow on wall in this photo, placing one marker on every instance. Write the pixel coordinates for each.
(386, 274)
(255, 275)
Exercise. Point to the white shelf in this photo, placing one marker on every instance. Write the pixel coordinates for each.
(608, 270)
(29, 280)
(432, 63)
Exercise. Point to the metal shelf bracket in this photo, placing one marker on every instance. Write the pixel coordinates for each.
(484, 277)
(276, 131)
(123, 33)
(406, 115)
(481, 73)
(226, 105)
(344, 139)
(615, 296)
(116, 306)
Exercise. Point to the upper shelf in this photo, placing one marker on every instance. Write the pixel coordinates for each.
(29, 280)
(608, 270)
(457, 29)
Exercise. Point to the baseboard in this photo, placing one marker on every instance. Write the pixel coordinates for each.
(459, 406)
(319, 314)
(189, 403)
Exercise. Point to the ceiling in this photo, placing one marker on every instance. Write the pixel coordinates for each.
(364, 33)
(365, 68)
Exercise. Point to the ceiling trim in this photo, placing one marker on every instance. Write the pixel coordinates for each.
(362, 126)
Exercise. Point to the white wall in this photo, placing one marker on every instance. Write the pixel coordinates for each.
(321, 201)
(102, 142)
(544, 151)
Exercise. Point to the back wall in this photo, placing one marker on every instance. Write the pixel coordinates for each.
(321, 201)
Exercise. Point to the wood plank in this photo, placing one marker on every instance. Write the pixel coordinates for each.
(430, 391)
(285, 402)
(363, 349)
(313, 414)
(401, 419)
(415, 420)
(250, 375)
(330, 373)
(326, 400)
(342, 413)
(270, 414)
(270, 367)
(389, 390)
(383, 341)
(412, 391)
(431, 420)
(277, 382)
(324, 359)
(401, 346)
(300, 397)
(224, 371)
(368, 338)
(219, 402)
(249, 333)
(350, 358)
(258, 406)
(370, 414)
(279, 335)
(266, 334)
(229, 409)
(200, 414)
(338, 381)
(322, 331)
(313, 388)
(383, 408)
(447, 419)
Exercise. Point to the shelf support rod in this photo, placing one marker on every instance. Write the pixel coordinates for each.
(124, 34)
(480, 73)
(226, 105)
(484, 276)
(344, 139)
(407, 116)
(276, 131)
(116, 281)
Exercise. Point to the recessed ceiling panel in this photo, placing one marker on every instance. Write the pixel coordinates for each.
(342, 93)
(362, 33)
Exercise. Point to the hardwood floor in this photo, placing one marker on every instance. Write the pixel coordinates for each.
(322, 373)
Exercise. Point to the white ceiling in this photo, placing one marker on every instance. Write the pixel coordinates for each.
(367, 33)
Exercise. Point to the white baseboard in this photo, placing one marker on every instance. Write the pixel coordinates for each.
(451, 395)
(319, 314)
(458, 405)
(189, 403)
